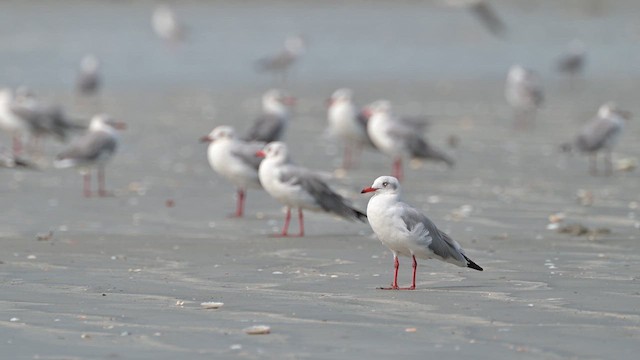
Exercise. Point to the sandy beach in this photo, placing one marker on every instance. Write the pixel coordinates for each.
(124, 277)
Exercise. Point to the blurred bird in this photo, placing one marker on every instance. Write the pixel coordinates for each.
(347, 123)
(94, 149)
(298, 187)
(398, 138)
(484, 12)
(281, 62)
(601, 134)
(11, 122)
(408, 232)
(573, 61)
(235, 160)
(272, 124)
(9, 160)
(166, 25)
(88, 81)
(523, 91)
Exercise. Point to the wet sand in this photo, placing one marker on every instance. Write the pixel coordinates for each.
(124, 277)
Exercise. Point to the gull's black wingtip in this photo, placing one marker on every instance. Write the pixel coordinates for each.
(471, 264)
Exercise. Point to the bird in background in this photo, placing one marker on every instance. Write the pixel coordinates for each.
(399, 139)
(524, 93)
(298, 187)
(235, 160)
(484, 12)
(272, 124)
(9, 160)
(166, 25)
(94, 149)
(407, 232)
(281, 62)
(601, 134)
(574, 60)
(11, 122)
(88, 80)
(347, 123)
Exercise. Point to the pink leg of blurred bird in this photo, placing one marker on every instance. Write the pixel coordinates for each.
(397, 169)
(415, 268)
(287, 219)
(396, 266)
(240, 204)
(301, 222)
(101, 187)
(86, 189)
(17, 145)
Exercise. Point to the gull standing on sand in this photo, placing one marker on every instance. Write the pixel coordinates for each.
(602, 134)
(398, 138)
(406, 231)
(235, 160)
(574, 59)
(484, 12)
(523, 91)
(94, 149)
(10, 121)
(280, 63)
(272, 124)
(166, 25)
(297, 187)
(89, 81)
(347, 123)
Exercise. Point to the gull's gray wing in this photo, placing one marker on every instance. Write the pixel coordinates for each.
(277, 62)
(322, 194)
(91, 147)
(440, 243)
(246, 152)
(416, 145)
(595, 134)
(487, 15)
(267, 128)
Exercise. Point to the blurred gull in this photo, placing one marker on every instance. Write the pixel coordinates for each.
(272, 124)
(235, 160)
(406, 231)
(523, 91)
(94, 149)
(398, 138)
(166, 24)
(88, 81)
(601, 134)
(573, 61)
(281, 62)
(298, 187)
(347, 123)
(9, 160)
(484, 12)
(10, 121)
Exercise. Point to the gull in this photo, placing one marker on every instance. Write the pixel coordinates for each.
(94, 149)
(273, 122)
(235, 160)
(10, 121)
(484, 12)
(347, 123)
(279, 63)
(88, 81)
(523, 91)
(408, 232)
(573, 61)
(601, 134)
(297, 187)
(166, 24)
(9, 160)
(398, 138)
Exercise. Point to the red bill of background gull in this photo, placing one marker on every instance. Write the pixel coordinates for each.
(235, 160)
(348, 124)
(601, 135)
(524, 93)
(11, 122)
(272, 124)
(281, 62)
(398, 138)
(408, 232)
(297, 187)
(88, 81)
(94, 149)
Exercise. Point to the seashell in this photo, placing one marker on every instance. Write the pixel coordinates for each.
(211, 305)
(258, 330)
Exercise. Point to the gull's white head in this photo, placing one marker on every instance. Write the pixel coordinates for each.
(89, 64)
(343, 94)
(102, 122)
(276, 151)
(6, 96)
(219, 133)
(378, 107)
(383, 185)
(275, 100)
(611, 108)
(517, 72)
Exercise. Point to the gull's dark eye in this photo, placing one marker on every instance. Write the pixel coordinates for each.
(385, 184)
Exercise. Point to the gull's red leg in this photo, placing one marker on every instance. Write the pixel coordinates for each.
(101, 183)
(240, 204)
(301, 222)
(287, 219)
(86, 189)
(17, 145)
(396, 265)
(415, 268)
(397, 169)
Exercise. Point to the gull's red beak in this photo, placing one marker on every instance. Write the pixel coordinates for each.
(366, 112)
(289, 100)
(120, 125)
(368, 190)
(206, 139)
(260, 154)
